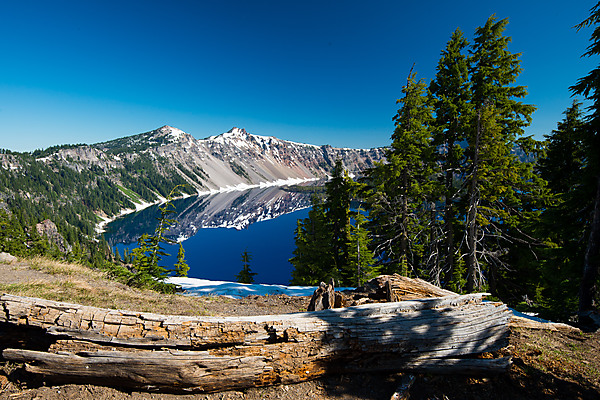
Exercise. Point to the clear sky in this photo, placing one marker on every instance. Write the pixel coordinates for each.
(319, 72)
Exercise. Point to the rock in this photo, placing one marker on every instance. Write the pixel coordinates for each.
(6, 258)
(48, 228)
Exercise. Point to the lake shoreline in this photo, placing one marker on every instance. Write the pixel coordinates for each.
(101, 226)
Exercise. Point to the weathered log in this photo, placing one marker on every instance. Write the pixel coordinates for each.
(203, 372)
(399, 288)
(147, 350)
(521, 322)
(393, 288)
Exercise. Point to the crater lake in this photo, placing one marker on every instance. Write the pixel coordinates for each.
(216, 229)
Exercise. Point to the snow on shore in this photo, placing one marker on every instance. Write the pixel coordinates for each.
(204, 287)
(101, 226)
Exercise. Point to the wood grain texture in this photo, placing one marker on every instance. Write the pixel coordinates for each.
(153, 351)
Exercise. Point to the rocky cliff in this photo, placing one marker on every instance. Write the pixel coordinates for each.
(233, 159)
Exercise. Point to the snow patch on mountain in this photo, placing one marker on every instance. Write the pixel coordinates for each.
(244, 186)
(175, 133)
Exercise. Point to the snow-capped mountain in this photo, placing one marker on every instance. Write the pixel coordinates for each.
(84, 182)
(233, 159)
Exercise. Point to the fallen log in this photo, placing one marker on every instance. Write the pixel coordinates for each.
(521, 322)
(152, 351)
(399, 288)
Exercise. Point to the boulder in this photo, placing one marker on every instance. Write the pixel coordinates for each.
(6, 258)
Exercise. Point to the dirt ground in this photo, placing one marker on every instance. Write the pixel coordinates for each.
(561, 364)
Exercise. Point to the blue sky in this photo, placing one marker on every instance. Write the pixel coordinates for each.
(320, 72)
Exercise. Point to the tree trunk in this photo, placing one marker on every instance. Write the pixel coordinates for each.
(472, 268)
(404, 226)
(151, 351)
(449, 216)
(449, 253)
(591, 264)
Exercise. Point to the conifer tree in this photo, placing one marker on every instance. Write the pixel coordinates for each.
(181, 266)
(496, 180)
(146, 258)
(337, 210)
(564, 222)
(360, 256)
(451, 95)
(588, 86)
(323, 239)
(313, 259)
(246, 275)
(117, 255)
(12, 236)
(401, 184)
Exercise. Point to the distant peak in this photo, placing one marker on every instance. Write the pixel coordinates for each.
(172, 132)
(236, 132)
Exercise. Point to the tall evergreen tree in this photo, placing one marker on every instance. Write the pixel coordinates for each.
(337, 208)
(339, 193)
(495, 178)
(588, 86)
(451, 94)
(401, 184)
(332, 242)
(564, 223)
(181, 266)
(150, 251)
(360, 256)
(313, 259)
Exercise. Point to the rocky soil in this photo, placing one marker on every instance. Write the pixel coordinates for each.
(559, 364)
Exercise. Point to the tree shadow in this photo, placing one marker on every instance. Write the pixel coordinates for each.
(372, 343)
(521, 382)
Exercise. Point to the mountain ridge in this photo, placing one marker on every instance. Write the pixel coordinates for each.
(78, 184)
(227, 160)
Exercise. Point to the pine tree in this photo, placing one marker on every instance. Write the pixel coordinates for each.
(337, 210)
(323, 239)
(146, 258)
(360, 256)
(588, 86)
(401, 184)
(181, 266)
(246, 275)
(452, 108)
(564, 222)
(117, 255)
(12, 236)
(313, 259)
(496, 179)
(564, 160)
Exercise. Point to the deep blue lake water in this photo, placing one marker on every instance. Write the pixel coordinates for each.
(215, 253)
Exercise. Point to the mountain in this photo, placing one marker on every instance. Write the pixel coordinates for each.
(81, 182)
(229, 160)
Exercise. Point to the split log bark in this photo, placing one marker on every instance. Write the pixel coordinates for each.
(152, 351)
(399, 288)
(520, 322)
